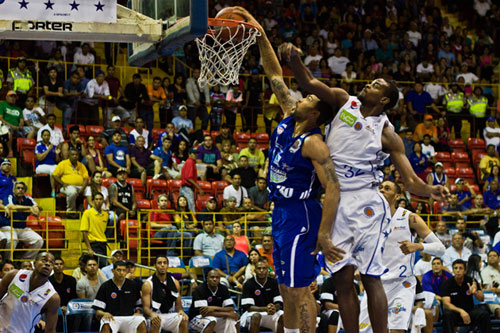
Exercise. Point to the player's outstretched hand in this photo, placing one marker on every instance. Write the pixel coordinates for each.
(440, 193)
(330, 251)
(287, 50)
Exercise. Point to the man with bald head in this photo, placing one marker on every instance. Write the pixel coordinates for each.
(455, 251)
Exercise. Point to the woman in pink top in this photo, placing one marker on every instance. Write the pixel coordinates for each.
(241, 241)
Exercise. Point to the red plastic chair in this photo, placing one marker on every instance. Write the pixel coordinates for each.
(25, 144)
(94, 130)
(443, 156)
(241, 137)
(214, 134)
(450, 172)
(143, 204)
(476, 143)
(460, 157)
(218, 186)
(83, 131)
(437, 207)
(137, 184)
(106, 182)
(174, 185)
(261, 137)
(133, 232)
(56, 231)
(456, 144)
(156, 133)
(206, 186)
(159, 185)
(465, 172)
(462, 165)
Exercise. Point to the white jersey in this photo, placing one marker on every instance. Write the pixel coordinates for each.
(20, 308)
(355, 144)
(399, 265)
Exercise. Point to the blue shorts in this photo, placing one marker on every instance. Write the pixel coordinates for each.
(295, 232)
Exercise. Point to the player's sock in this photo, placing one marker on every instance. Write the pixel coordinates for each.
(292, 330)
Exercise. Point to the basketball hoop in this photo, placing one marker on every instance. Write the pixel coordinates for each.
(222, 50)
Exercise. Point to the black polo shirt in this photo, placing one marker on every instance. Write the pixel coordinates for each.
(66, 289)
(256, 294)
(203, 296)
(328, 292)
(460, 296)
(118, 301)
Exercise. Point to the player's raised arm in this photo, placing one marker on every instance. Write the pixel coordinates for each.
(336, 97)
(271, 65)
(317, 151)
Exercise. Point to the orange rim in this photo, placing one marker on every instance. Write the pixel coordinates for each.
(217, 22)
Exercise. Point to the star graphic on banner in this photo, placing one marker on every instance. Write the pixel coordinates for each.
(48, 5)
(99, 7)
(74, 5)
(23, 4)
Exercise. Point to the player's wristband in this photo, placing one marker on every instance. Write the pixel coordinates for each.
(433, 246)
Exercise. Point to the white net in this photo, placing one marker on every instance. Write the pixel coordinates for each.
(222, 50)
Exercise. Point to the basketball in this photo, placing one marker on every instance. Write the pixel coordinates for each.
(227, 32)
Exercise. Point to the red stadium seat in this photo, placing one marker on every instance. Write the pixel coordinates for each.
(476, 143)
(143, 204)
(447, 165)
(94, 130)
(477, 155)
(159, 185)
(106, 182)
(54, 231)
(437, 207)
(156, 133)
(465, 172)
(218, 186)
(242, 145)
(25, 144)
(263, 146)
(201, 202)
(205, 186)
(443, 156)
(214, 134)
(241, 137)
(33, 223)
(450, 172)
(83, 131)
(137, 184)
(205, 132)
(175, 196)
(460, 157)
(174, 185)
(261, 137)
(133, 231)
(126, 130)
(462, 165)
(457, 144)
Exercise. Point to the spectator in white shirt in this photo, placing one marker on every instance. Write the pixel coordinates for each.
(455, 251)
(491, 134)
(338, 62)
(349, 75)
(423, 265)
(481, 7)
(468, 77)
(84, 56)
(414, 35)
(313, 55)
(34, 117)
(424, 69)
(294, 90)
(97, 90)
(235, 190)
(436, 90)
(428, 149)
(56, 135)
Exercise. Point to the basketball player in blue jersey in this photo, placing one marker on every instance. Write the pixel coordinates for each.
(360, 138)
(298, 157)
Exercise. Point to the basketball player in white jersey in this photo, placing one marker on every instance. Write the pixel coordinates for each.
(25, 295)
(399, 281)
(360, 138)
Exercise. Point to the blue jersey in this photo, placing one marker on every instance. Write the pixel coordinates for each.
(290, 175)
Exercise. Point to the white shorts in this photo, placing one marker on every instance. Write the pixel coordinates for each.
(125, 324)
(266, 321)
(223, 325)
(400, 298)
(170, 321)
(45, 168)
(362, 223)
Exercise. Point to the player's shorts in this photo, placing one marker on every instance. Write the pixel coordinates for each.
(361, 227)
(125, 324)
(400, 298)
(332, 315)
(266, 321)
(169, 322)
(295, 232)
(223, 325)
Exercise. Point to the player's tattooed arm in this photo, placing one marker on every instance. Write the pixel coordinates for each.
(287, 102)
(329, 170)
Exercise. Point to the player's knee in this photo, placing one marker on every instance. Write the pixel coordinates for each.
(256, 318)
(106, 329)
(141, 328)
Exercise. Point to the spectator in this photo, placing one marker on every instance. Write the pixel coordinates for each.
(19, 206)
(11, 116)
(294, 90)
(172, 134)
(186, 220)
(118, 157)
(158, 95)
(442, 234)
(178, 90)
(208, 243)
(423, 265)
(329, 303)
(488, 161)
(241, 240)
(255, 156)
(369, 44)
(209, 212)
(106, 136)
(443, 132)
(141, 163)
(419, 161)
(234, 102)
(72, 175)
(139, 130)
(117, 303)
(491, 279)
(472, 241)
(96, 93)
(161, 293)
(229, 161)
(84, 56)
(164, 164)
(235, 190)
(447, 54)
(136, 101)
(5, 267)
(453, 209)
(455, 251)
(73, 90)
(478, 105)
(225, 135)
(209, 156)
(427, 127)
(468, 76)
(189, 177)
(428, 149)
(491, 197)
(267, 250)
(181, 153)
(116, 255)
(75, 142)
(212, 309)
(183, 125)
(95, 154)
(88, 285)
(198, 99)
(218, 102)
(56, 136)
(457, 299)
(408, 141)
(230, 263)
(433, 280)
(454, 101)
(414, 35)
(21, 81)
(7, 180)
(424, 71)
(491, 134)
(47, 157)
(65, 285)
(259, 193)
(465, 196)
(34, 117)
(95, 187)
(53, 92)
(116, 92)
(262, 309)
(93, 227)
(437, 177)
(230, 207)
(337, 62)
(418, 100)
(435, 89)
(122, 197)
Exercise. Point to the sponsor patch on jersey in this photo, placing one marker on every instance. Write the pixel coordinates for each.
(257, 292)
(369, 212)
(404, 213)
(354, 105)
(280, 130)
(23, 277)
(401, 227)
(397, 309)
(114, 295)
(276, 175)
(15, 290)
(358, 126)
(46, 292)
(209, 299)
(406, 284)
(24, 299)
(296, 146)
(347, 117)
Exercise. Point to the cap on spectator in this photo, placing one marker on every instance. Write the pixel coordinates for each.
(438, 164)
(368, 30)
(120, 170)
(458, 180)
(182, 107)
(428, 117)
(99, 73)
(491, 118)
(231, 198)
(21, 59)
(193, 150)
(116, 118)
(116, 251)
(465, 64)
(212, 198)
(11, 92)
(5, 162)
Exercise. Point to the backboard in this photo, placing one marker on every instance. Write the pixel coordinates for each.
(183, 21)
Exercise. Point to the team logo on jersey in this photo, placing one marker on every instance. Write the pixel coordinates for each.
(347, 117)
(24, 299)
(402, 227)
(406, 284)
(209, 299)
(23, 277)
(46, 292)
(369, 212)
(354, 105)
(114, 295)
(296, 146)
(404, 213)
(257, 292)
(358, 126)
(397, 309)
(280, 130)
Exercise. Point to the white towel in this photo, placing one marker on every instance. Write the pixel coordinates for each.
(418, 320)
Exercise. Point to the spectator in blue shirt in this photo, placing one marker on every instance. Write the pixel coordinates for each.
(447, 54)
(47, 157)
(116, 155)
(433, 279)
(418, 161)
(464, 196)
(418, 100)
(492, 196)
(230, 263)
(408, 142)
(163, 163)
(453, 209)
(6, 179)
(182, 122)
